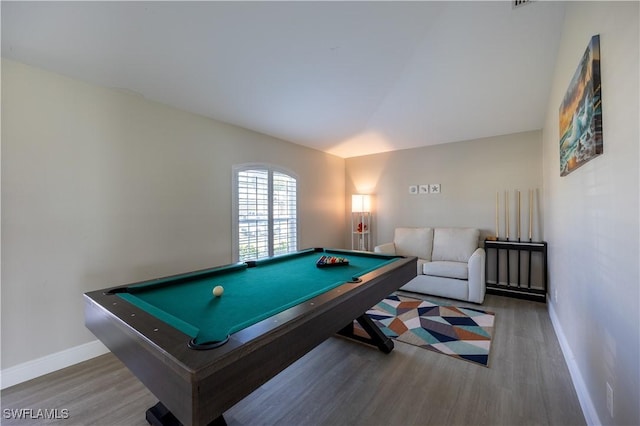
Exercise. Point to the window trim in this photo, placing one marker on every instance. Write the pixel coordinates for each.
(270, 168)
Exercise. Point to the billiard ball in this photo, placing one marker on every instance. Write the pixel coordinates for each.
(218, 290)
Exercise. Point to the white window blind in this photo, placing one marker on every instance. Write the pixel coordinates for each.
(284, 214)
(266, 213)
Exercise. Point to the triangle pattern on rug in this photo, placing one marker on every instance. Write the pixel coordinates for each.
(463, 333)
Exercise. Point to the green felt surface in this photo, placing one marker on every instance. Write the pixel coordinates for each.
(250, 294)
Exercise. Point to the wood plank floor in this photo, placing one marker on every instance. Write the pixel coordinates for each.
(345, 383)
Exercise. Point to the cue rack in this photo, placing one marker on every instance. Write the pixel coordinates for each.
(520, 264)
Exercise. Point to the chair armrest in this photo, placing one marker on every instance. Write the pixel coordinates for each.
(387, 248)
(477, 285)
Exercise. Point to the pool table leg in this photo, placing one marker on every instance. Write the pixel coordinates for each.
(159, 415)
(376, 336)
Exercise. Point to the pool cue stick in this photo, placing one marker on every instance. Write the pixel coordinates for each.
(530, 213)
(506, 212)
(497, 215)
(530, 233)
(518, 217)
(506, 209)
(518, 222)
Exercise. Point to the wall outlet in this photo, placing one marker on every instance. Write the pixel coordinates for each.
(610, 399)
(555, 295)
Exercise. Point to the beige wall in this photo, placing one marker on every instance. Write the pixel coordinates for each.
(591, 216)
(469, 173)
(101, 188)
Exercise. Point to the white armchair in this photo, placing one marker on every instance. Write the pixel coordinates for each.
(450, 262)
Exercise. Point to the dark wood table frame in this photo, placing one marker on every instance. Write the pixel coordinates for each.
(196, 386)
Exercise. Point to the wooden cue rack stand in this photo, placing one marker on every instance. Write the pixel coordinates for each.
(517, 252)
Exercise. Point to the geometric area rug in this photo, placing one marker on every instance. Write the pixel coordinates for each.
(463, 333)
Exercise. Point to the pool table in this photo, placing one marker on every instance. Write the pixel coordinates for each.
(200, 354)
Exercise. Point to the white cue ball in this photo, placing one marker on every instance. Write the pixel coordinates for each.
(218, 290)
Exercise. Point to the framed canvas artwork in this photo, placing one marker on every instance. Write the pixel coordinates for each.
(581, 113)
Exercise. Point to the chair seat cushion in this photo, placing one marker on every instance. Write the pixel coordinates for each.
(421, 263)
(443, 268)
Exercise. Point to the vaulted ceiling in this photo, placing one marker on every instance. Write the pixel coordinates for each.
(348, 78)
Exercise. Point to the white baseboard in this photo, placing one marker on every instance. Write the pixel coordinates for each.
(38, 367)
(588, 409)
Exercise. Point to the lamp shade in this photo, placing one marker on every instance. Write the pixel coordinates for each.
(360, 203)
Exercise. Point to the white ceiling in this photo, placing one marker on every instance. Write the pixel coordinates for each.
(348, 78)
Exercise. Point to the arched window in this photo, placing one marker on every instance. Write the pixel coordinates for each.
(265, 212)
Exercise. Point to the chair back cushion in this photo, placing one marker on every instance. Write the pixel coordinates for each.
(454, 244)
(414, 242)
